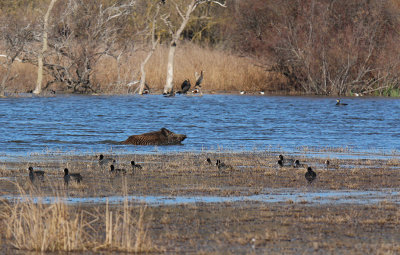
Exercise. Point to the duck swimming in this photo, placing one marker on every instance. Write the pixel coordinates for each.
(339, 103)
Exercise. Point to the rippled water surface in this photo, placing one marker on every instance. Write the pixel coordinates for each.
(274, 196)
(87, 124)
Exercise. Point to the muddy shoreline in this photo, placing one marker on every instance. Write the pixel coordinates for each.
(254, 206)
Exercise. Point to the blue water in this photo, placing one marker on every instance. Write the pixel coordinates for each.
(87, 124)
(273, 196)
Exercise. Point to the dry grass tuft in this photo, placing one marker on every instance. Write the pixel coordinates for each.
(30, 224)
(36, 226)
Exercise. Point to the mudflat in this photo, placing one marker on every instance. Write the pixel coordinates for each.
(252, 205)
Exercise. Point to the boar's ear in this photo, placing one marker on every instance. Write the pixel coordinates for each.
(164, 131)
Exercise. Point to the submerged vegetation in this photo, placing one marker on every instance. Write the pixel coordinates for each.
(307, 47)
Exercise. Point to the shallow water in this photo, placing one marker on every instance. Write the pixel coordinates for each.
(272, 196)
(89, 124)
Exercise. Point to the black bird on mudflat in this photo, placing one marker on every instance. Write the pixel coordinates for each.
(34, 174)
(222, 166)
(117, 170)
(135, 166)
(297, 164)
(327, 163)
(282, 161)
(209, 161)
(103, 160)
(310, 175)
(67, 176)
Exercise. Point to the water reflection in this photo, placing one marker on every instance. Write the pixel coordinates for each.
(273, 196)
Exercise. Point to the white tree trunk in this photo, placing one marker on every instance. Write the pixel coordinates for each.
(175, 36)
(170, 69)
(143, 72)
(5, 78)
(39, 80)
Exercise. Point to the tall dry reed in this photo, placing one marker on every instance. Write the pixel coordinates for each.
(123, 231)
(33, 225)
(222, 72)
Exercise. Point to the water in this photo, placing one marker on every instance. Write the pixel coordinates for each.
(89, 124)
(320, 197)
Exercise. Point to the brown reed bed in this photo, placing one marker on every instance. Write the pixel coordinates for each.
(224, 72)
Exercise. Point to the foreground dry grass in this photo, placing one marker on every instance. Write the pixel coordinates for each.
(240, 228)
(204, 228)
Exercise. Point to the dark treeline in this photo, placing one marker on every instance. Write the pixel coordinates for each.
(325, 47)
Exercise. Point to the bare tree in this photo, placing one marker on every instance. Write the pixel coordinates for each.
(176, 30)
(154, 43)
(81, 34)
(15, 37)
(38, 88)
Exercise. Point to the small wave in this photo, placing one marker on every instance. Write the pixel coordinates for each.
(18, 141)
(108, 142)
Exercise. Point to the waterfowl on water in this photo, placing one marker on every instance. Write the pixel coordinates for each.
(262, 92)
(338, 102)
(195, 91)
(34, 174)
(117, 170)
(242, 92)
(67, 176)
(310, 175)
